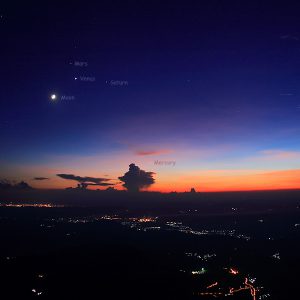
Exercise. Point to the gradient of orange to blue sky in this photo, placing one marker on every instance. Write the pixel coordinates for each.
(217, 173)
(212, 86)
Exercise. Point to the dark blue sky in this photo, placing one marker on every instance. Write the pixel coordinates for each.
(178, 75)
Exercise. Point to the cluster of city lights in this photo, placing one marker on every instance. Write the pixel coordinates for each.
(247, 286)
(188, 230)
(214, 289)
(40, 205)
(199, 272)
(205, 257)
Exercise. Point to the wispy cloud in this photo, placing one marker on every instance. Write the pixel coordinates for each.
(289, 37)
(41, 178)
(152, 152)
(279, 154)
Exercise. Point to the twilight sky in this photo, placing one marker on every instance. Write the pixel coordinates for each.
(209, 85)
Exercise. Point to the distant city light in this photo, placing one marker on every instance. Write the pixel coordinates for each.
(36, 292)
(233, 271)
(276, 255)
(212, 285)
(200, 272)
(40, 205)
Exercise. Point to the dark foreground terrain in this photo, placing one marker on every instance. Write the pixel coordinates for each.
(131, 252)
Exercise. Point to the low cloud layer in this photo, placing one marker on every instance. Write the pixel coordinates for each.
(86, 181)
(40, 178)
(8, 185)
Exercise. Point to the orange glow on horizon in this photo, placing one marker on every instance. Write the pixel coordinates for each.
(231, 180)
(202, 181)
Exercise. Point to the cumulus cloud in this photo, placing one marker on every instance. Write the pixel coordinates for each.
(135, 178)
(86, 181)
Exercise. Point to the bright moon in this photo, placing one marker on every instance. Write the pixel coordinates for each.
(53, 97)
